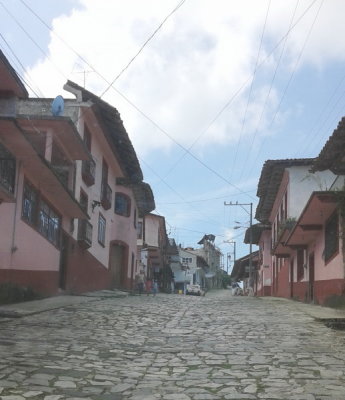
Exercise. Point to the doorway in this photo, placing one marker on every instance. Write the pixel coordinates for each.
(63, 260)
(117, 259)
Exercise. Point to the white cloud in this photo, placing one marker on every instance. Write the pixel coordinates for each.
(203, 54)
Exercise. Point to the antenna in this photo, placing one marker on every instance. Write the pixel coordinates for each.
(57, 106)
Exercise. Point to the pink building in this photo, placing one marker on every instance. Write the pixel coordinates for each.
(284, 189)
(71, 191)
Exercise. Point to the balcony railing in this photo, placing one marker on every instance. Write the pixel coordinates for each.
(106, 196)
(85, 233)
(7, 174)
(88, 170)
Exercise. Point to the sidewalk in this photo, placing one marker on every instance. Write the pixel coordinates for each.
(313, 310)
(17, 310)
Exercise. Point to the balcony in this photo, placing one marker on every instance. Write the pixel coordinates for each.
(106, 196)
(84, 233)
(88, 170)
(7, 179)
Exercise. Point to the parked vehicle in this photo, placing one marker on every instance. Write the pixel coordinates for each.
(195, 290)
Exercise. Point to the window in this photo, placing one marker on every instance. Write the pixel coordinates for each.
(331, 237)
(135, 218)
(48, 223)
(38, 213)
(140, 230)
(101, 229)
(122, 204)
(186, 260)
(300, 264)
(30, 203)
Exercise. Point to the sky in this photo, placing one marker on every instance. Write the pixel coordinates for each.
(207, 90)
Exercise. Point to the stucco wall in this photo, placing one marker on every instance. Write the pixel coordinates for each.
(334, 268)
(31, 251)
(302, 183)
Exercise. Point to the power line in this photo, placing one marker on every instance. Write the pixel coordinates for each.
(174, 190)
(22, 66)
(204, 200)
(291, 75)
(137, 108)
(32, 39)
(143, 46)
(251, 87)
(228, 103)
(269, 91)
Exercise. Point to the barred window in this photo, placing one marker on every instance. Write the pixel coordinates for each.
(39, 214)
(101, 229)
(30, 203)
(49, 223)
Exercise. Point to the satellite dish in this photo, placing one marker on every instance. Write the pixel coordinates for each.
(58, 106)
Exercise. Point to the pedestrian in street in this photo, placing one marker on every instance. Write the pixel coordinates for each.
(141, 281)
(155, 288)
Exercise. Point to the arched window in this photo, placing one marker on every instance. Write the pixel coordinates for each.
(122, 205)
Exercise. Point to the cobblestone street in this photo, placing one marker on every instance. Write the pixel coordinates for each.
(172, 347)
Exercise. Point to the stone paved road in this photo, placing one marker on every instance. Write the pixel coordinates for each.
(172, 347)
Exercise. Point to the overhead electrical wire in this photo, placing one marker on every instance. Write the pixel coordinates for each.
(148, 118)
(143, 46)
(291, 76)
(186, 150)
(250, 88)
(137, 108)
(23, 68)
(269, 91)
(110, 85)
(232, 98)
(32, 39)
(317, 129)
(174, 190)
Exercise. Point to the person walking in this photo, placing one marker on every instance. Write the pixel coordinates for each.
(141, 281)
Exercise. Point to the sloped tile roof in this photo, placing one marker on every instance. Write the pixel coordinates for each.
(332, 155)
(115, 132)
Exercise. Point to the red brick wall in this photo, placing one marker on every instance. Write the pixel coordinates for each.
(43, 282)
(84, 272)
(324, 289)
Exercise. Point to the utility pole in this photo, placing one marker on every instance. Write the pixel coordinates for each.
(242, 205)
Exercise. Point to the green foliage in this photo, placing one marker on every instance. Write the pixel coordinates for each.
(12, 293)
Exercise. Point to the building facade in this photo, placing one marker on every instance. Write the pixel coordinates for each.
(71, 189)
